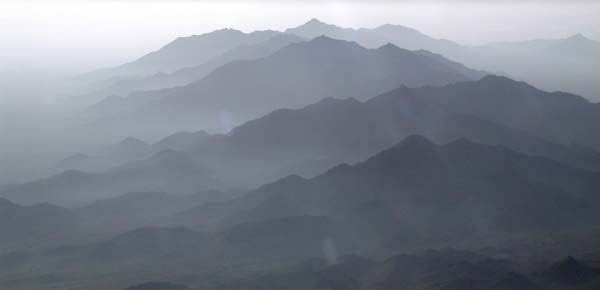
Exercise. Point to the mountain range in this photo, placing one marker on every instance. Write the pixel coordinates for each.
(168, 170)
(307, 141)
(539, 62)
(411, 196)
(323, 67)
(319, 157)
(417, 192)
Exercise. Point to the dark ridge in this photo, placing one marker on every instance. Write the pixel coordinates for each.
(570, 271)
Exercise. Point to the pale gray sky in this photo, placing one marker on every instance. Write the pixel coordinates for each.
(82, 35)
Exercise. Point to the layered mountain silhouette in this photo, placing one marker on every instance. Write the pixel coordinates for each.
(402, 36)
(520, 106)
(323, 67)
(126, 150)
(540, 62)
(417, 192)
(140, 209)
(184, 52)
(29, 224)
(168, 171)
(190, 73)
(322, 158)
(494, 110)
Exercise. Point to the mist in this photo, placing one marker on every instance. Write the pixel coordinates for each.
(323, 145)
(75, 36)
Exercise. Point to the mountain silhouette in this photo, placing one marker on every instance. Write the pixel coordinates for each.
(309, 140)
(420, 190)
(183, 52)
(168, 171)
(190, 73)
(539, 62)
(323, 67)
(26, 224)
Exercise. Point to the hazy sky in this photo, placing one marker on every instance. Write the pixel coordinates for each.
(81, 35)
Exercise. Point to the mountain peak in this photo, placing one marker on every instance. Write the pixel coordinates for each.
(314, 27)
(413, 147)
(324, 38)
(388, 26)
(314, 21)
(329, 43)
(388, 47)
(132, 141)
(578, 37)
(495, 78)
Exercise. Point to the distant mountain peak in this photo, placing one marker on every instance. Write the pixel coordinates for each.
(132, 141)
(396, 27)
(495, 78)
(389, 47)
(313, 21)
(413, 147)
(325, 38)
(578, 37)
(314, 27)
(225, 31)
